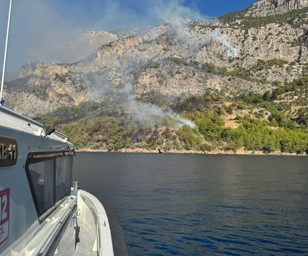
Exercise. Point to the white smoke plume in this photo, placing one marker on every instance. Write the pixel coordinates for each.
(151, 114)
(146, 113)
(39, 27)
(174, 12)
(180, 18)
(231, 51)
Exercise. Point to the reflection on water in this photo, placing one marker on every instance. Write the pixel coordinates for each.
(203, 204)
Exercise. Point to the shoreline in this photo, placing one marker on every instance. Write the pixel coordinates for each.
(214, 152)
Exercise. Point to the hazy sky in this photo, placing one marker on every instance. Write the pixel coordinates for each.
(38, 26)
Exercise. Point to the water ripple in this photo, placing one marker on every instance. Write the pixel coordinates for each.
(195, 205)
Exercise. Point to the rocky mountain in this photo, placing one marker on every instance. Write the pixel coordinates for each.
(173, 61)
(154, 71)
(263, 8)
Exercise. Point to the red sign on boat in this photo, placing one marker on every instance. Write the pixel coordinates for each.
(4, 214)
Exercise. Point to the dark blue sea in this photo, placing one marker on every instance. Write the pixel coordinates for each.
(178, 204)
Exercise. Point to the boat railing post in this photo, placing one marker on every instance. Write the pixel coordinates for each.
(5, 52)
(75, 185)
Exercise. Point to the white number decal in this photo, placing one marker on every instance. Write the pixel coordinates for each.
(4, 211)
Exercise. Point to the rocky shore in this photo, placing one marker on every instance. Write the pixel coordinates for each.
(213, 152)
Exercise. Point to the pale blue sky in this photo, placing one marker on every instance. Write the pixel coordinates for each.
(40, 25)
(93, 9)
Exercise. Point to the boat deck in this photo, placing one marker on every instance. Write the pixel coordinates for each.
(68, 242)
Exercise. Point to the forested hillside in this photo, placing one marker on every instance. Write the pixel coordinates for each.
(275, 121)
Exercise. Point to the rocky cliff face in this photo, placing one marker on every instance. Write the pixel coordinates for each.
(239, 52)
(264, 8)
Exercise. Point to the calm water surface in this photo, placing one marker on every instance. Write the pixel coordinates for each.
(169, 204)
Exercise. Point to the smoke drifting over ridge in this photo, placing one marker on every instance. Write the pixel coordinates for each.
(43, 28)
(39, 27)
(150, 114)
(180, 18)
(147, 114)
(36, 28)
(231, 51)
(174, 12)
(184, 39)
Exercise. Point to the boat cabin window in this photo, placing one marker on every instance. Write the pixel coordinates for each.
(50, 177)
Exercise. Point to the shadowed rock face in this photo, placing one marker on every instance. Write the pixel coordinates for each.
(264, 8)
(171, 62)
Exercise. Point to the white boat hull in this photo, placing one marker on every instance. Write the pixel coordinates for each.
(39, 208)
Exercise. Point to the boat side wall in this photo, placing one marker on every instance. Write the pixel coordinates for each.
(89, 205)
(22, 213)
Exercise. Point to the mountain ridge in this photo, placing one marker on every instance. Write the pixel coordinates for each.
(264, 8)
(174, 75)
